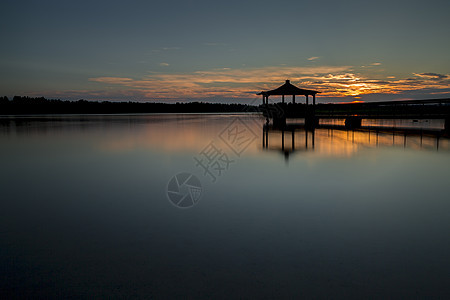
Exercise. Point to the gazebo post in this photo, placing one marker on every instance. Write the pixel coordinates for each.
(306, 138)
(264, 136)
(293, 142)
(282, 98)
(293, 98)
(314, 104)
(307, 100)
(313, 137)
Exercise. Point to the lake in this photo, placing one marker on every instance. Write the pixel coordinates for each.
(219, 206)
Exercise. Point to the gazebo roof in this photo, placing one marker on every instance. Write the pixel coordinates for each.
(288, 89)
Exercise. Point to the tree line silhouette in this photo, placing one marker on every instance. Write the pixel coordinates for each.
(41, 105)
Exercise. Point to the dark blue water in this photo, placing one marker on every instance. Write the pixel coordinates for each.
(85, 211)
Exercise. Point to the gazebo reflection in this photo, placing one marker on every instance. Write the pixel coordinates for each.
(287, 133)
(298, 138)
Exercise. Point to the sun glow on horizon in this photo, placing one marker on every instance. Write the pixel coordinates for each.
(245, 83)
(331, 81)
(352, 102)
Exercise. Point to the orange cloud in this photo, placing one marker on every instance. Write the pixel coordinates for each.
(224, 82)
(331, 81)
(112, 80)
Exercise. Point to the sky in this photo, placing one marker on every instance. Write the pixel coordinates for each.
(224, 51)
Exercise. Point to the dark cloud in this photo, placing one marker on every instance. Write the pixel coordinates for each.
(434, 76)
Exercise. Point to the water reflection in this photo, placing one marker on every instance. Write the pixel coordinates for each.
(336, 140)
(84, 211)
(183, 132)
(166, 132)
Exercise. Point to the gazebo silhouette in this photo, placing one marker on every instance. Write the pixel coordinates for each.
(288, 89)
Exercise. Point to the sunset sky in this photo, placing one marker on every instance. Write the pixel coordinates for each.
(224, 51)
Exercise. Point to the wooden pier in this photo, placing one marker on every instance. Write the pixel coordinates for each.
(352, 113)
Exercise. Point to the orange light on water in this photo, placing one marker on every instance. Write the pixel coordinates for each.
(355, 101)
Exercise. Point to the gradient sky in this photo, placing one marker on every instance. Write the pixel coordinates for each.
(224, 51)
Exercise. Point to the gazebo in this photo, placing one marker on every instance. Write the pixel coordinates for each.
(288, 89)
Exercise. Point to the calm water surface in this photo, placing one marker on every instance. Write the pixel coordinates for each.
(84, 210)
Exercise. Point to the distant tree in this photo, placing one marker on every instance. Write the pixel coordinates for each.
(4, 100)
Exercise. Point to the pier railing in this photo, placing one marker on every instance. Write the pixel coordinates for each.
(353, 113)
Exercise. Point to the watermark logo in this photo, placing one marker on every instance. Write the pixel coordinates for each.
(184, 190)
(213, 161)
(237, 136)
